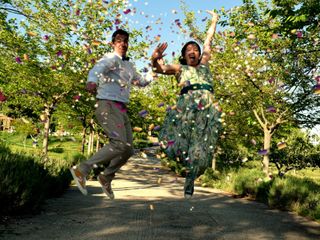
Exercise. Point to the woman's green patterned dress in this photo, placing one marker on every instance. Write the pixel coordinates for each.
(191, 129)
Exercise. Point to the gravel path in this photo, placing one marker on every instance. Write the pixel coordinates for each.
(149, 205)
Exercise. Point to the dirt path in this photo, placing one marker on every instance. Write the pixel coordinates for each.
(149, 205)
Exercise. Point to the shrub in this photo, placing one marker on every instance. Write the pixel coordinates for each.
(57, 150)
(298, 194)
(247, 181)
(291, 193)
(25, 182)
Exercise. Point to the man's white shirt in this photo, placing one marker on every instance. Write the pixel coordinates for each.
(114, 78)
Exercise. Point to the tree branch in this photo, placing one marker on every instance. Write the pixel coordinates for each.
(259, 119)
(14, 11)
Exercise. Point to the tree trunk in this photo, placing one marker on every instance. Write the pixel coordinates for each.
(98, 142)
(83, 142)
(89, 142)
(92, 141)
(46, 132)
(266, 146)
(214, 160)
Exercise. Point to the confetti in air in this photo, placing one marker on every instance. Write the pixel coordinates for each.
(143, 113)
(137, 129)
(127, 11)
(76, 98)
(156, 128)
(271, 109)
(32, 34)
(171, 142)
(263, 152)
(317, 89)
(253, 142)
(59, 53)
(281, 145)
(18, 60)
(114, 134)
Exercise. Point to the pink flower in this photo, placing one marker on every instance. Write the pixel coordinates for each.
(59, 53)
(46, 37)
(76, 98)
(2, 97)
(171, 142)
(271, 80)
(18, 60)
(299, 34)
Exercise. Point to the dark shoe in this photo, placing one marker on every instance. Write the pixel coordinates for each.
(79, 179)
(188, 188)
(106, 186)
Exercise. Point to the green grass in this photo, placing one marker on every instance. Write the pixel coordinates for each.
(58, 147)
(299, 193)
(313, 173)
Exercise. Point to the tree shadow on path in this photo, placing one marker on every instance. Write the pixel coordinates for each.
(147, 208)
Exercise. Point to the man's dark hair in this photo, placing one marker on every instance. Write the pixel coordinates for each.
(119, 32)
(182, 60)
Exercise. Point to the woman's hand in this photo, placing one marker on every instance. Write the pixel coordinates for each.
(158, 52)
(215, 16)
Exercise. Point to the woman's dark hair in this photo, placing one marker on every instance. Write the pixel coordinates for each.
(182, 60)
(120, 32)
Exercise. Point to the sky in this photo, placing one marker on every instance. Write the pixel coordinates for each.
(159, 19)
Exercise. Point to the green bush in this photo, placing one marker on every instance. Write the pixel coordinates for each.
(175, 166)
(56, 150)
(296, 194)
(25, 182)
(247, 181)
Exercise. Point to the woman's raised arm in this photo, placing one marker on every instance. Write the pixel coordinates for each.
(207, 43)
(158, 65)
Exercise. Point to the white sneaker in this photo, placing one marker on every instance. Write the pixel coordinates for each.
(79, 179)
(106, 186)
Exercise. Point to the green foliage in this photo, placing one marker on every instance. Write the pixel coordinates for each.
(154, 99)
(56, 150)
(49, 55)
(26, 182)
(299, 153)
(247, 181)
(23, 182)
(296, 194)
(24, 127)
(177, 167)
(296, 14)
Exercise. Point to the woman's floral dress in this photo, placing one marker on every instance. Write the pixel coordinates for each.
(191, 128)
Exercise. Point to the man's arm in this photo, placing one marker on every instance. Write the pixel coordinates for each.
(207, 43)
(104, 65)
